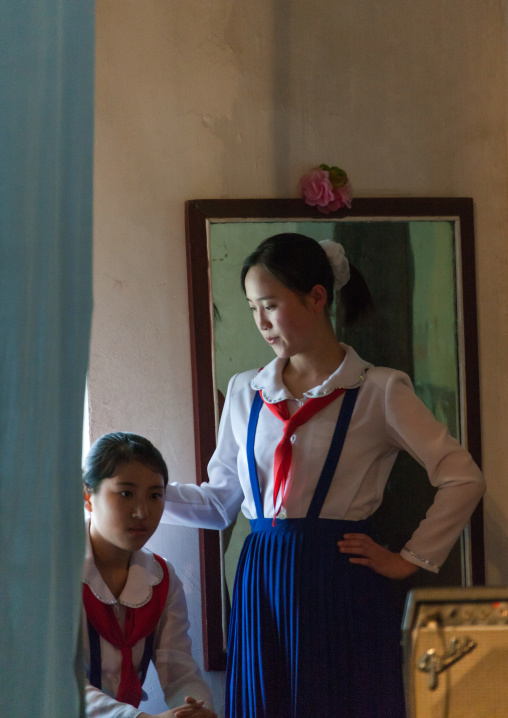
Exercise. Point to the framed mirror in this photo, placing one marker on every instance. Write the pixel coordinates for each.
(417, 256)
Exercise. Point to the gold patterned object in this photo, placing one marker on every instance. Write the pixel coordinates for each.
(456, 652)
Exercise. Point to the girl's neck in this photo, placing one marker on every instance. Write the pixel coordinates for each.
(305, 371)
(112, 564)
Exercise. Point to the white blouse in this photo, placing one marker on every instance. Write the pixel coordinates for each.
(388, 416)
(178, 673)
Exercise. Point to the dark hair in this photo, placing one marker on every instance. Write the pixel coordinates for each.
(112, 450)
(299, 263)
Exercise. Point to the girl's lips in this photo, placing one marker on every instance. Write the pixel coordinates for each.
(139, 530)
(271, 340)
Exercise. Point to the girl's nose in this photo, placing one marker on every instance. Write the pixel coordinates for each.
(263, 322)
(140, 512)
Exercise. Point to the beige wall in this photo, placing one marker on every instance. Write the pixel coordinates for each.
(234, 98)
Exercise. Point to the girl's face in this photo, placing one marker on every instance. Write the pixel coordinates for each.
(126, 509)
(285, 319)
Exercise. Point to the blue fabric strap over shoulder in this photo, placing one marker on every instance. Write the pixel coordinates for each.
(257, 403)
(332, 459)
(95, 674)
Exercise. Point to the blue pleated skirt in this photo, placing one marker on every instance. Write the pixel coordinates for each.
(311, 634)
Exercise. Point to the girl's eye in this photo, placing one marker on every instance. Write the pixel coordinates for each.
(157, 495)
(126, 493)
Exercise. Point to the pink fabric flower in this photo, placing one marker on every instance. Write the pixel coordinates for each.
(326, 188)
(317, 189)
(342, 197)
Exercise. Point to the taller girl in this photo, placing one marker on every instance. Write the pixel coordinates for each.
(305, 448)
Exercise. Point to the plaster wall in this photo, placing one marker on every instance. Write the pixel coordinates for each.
(229, 98)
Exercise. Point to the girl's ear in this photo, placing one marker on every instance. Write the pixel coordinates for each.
(88, 503)
(318, 297)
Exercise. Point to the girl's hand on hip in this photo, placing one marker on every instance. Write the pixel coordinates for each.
(369, 553)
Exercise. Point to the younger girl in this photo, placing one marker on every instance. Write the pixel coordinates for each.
(305, 448)
(134, 608)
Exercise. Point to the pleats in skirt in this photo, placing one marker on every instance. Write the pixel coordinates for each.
(311, 633)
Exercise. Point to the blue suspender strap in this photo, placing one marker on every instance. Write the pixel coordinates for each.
(147, 655)
(251, 434)
(95, 676)
(339, 436)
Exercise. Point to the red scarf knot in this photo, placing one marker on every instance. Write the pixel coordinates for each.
(139, 623)
(283, 453)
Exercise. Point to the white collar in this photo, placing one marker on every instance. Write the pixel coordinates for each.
(350, 374)
(144, 572)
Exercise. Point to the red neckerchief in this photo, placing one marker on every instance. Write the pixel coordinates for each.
(139, 623)
(284, 453)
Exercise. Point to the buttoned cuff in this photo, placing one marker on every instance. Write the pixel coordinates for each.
(420, 561)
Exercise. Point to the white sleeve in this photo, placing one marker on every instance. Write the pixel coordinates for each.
(216, 503)
(100, 705)
(412, 427)
(178, 672)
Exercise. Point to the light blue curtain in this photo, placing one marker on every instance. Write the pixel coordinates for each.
(46, 149)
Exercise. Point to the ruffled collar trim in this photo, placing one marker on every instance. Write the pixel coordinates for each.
(144, 573)
(349, 375)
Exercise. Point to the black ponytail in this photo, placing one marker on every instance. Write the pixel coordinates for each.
(356, 299)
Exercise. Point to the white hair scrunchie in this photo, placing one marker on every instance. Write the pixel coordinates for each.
(337, 258)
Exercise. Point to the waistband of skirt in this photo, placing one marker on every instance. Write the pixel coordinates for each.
(363, 526)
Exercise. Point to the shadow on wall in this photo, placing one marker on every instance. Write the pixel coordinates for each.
(497, 537)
